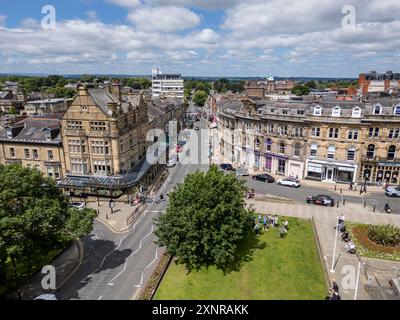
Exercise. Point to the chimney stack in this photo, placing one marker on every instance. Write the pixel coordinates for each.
(116, 90)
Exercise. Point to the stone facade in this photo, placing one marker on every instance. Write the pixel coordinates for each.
(329, 140)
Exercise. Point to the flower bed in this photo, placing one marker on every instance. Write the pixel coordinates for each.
(366, 247)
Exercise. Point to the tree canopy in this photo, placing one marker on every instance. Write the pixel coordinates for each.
(200, 98)
(206, 220)
(35, 217)
(300, 90)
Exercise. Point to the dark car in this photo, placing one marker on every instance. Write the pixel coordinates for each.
(197, 128)
(264, 177)
(226, 167)
(321, 200)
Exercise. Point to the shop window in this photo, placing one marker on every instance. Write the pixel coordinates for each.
(395, 176)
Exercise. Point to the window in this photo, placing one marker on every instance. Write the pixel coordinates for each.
(353, 134)
(9, 133)
(50, 154)
(74, 125)
(373, 132)
(283, 130)
(98, 126)
(301, 112)
(100, 147)
(35, 154)
(257, 143)
(281, 166)
(394, 133)
(79, 166)
(102, 166)
(282, 148)
(270, 128)
(313, 150)
(391, 153)
(315, 132)
(47, 134)
(27, 153)
(377, 109)
(356, 113)
(336, 112)
(297, 149)
(268, 144)
(12, 152)
(317, 111)
(258, 129)
(331, 152)
(371, 151)
(76, 146)
(298, 132)
(333, 133)
(397, 110)
(351, 153)
(285, 111)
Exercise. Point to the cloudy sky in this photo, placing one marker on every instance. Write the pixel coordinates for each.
(202, 37)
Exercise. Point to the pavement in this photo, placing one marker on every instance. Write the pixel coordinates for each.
(345, 266)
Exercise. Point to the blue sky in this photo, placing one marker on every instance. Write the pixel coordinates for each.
(202, 37)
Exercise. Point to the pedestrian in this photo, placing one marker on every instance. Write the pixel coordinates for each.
(341, 218)
(286, 225)
(351, 186)
(265, 223)
(334, 286)
(259, 218)
(276, 221)
(256, 228)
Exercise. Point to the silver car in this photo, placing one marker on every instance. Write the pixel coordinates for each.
(241, 172)
(289, 182)
(393, 191)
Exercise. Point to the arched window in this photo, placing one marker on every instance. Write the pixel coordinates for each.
(336, 112)
(297, 149)
(317, 111)
(397, 110)
(268, 144)
(371, 151)
(377, 109)
(356, 113)
(313, 150)
(351, 153)
(331, 152)
(282, 148)
(391, 153)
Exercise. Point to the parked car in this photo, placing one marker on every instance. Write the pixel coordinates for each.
(393, 191)
(226, 166)
(241, 172)
(46, 296)
(77, 205)
(289, 182)
(264, 177)
(321, 199)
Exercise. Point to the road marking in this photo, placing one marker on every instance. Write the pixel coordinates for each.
(131, 255)
(135, 294)
(144, 270)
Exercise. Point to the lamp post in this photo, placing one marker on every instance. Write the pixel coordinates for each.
(111, 204)
(334, 248)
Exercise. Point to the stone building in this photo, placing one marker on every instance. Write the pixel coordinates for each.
(328, 140)
(35, 143)
(258, 89)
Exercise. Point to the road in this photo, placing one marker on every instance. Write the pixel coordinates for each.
(299, 194)
(116, 266)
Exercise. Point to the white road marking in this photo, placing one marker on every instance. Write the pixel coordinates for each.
(144, 270)
(131, 255)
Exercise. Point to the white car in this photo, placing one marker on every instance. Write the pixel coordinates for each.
(77, 205)
(393, 191)
(289, 182)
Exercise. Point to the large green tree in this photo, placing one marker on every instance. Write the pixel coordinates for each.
(199, 98)
(206, 220)
(300, 90)
(35, 217)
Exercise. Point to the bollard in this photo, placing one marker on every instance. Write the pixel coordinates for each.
(337, 204)
(335, 187)
(106, 216)
(341, 190)
(365, 203)
(98, 212)
(374, 208)
(344, 201)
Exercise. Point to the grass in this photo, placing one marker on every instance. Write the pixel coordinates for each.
(26, 269)
(272, 269)
(367, 248)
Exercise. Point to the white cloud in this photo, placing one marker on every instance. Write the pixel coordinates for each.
(164, 19)
(126, 3)
(2, 20)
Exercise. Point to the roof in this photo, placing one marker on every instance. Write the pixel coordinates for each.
(102, 98)
(32, 130)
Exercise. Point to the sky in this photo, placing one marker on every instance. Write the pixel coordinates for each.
(308, 38)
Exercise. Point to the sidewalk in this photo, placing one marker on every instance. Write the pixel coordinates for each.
(325, 220)
(65, 265)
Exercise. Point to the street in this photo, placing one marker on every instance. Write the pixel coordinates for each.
(115, 266)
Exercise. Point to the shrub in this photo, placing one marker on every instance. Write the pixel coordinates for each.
(387, 235)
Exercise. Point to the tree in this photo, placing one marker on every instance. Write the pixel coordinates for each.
(35, 217)
(311, 84)
(300, 90)
(200, 98)
(206, 220)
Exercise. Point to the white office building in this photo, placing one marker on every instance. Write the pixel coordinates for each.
(166, 85)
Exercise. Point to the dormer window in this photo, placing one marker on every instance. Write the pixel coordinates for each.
(356, 113)
(9, 133)
(336, 112)
(377, 109)
(317, 111)
(397, 110)
(47, 134)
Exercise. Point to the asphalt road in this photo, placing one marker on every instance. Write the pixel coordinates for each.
(116, 266)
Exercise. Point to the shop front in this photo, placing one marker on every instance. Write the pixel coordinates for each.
(330, 171)
(381, 172)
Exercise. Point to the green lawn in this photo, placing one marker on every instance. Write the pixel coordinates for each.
(275, 269)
